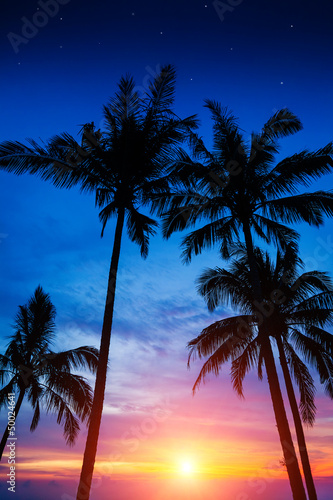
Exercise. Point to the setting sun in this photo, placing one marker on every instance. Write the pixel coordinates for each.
(186, 468)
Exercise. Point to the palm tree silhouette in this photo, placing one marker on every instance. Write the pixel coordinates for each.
(237, 188)
(294, 311)
(124, 166)
(32, 369)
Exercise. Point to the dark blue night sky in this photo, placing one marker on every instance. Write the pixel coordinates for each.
(64, 73)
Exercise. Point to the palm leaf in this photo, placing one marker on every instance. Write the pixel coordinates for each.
(229, 350)
(282, 124)
(305, 384)
(125, 104)
(272, 231)
(58, 405)
(36, 417)
(223, 230)
(162, 91)
(140, 227)
(73, 359)
(307, 207)
(243, 364)
(300, 168)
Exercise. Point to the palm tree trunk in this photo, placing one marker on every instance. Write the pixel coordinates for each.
(282, 423)
(6, 433)
(289, 453)
(97, 406)
(298, 424)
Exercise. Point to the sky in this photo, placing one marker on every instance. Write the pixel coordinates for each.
(61, 61)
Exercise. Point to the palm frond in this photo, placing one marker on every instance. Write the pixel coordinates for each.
(305, 384)
(181, 217)
(243, 364)
(229, 350)
(105, 214)
(262, 155)
(281, 124)
(6, 362)
(324, 338)
(73, 388)
(161, 91)
(307, 207)
(35, 418)
(300, 169)
(140, 227)
(317, 357)
(221, 231)
(273, 231)
(58, 405)
(226, 331)
(43, 160)
(321, 302)
(85, 357)
(228, 141)
(125, 104)
(35, 391)
(221, 287)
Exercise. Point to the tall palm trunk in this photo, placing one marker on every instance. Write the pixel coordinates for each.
(97, 406)
(298, 424)
(287, 444)
(289, 453)
(6, 433)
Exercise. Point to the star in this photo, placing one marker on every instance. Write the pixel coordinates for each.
(231, 48)
(281, 83)
(133, 13)
(61, 19)
(291, 25)
(161, 32)
(60, 46)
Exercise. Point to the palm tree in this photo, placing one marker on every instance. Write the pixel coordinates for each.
(45, 377)
(239, 190)
(294, 311)
(124, 166)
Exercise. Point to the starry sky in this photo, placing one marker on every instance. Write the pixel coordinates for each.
(61, 61)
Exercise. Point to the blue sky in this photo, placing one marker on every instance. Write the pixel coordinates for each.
(262, 56)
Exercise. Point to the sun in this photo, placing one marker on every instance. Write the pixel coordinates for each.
(186, 468)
